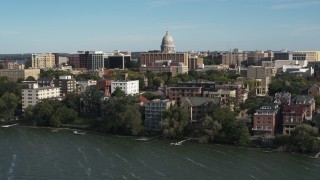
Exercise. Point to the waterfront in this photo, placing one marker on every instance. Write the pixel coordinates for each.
(35, 153)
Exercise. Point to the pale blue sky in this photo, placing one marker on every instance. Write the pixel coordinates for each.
(139, 25)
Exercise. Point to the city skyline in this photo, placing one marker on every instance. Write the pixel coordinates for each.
(69, 26)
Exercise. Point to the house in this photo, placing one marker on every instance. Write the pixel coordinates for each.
(293, 115)
(282, 98)
(312, 89)
(307, 101)
(265, 119)
(196, 106)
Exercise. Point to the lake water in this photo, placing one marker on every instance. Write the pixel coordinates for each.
(32, 153)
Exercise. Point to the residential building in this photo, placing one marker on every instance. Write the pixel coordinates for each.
(82, 86)
(196, 106)
(265, 119)
(307, 101)
(236, 57)
(67, 85)
(293, 115)
(45, 81)
(15, 74)
(154, 113)
(257, 57)
(228, 97)
(11, 65)
(176, 93)
(283, 98)
(312, 89)
(105, 86)
(129, 87)
(42, 61)
(34, 94)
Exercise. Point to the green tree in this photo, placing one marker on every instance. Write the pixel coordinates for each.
(30, 78)
(118, 92)
(210, 129)
(304, 137)
(121, 116)
(242, 136)
(174, 122)
(8, 104)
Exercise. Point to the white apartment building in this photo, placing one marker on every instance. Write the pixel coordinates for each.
(43, 61)
(129, 87)
(34, 94)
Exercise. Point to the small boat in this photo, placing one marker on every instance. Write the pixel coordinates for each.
(176, 144)
(76, 132)
(9, 125)
(6, 126)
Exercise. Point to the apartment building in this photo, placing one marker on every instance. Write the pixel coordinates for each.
(129, 87)
(293, 115)
(265, 118)
(154, 113)
(43, 61)
(34, 94)
(67, 85)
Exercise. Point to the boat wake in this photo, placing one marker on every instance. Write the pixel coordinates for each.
(11, 169)
(195, 163)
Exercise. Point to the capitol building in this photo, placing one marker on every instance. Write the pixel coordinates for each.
(167, 44)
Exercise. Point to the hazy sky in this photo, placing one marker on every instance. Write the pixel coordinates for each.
(139, 25)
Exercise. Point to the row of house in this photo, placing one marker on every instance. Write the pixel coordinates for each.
(294, 112)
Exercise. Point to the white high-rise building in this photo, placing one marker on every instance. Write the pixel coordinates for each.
(34, 94)
(129, 87)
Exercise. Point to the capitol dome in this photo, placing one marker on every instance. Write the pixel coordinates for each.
(167, 44)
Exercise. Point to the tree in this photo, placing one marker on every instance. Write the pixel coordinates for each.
(8, 104)
(120, 115)
(118, 92)
(304, 137)
(242, 136)
(210, 129)
(174, 122)
(30, 78)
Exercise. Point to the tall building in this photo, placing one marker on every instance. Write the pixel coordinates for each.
(154, 113)
(118, 60)
(96, 60)
(34, 94)
(67, 85)
(195, 62)
(236, 57)
(74, 60)
(42, 60)
(167, 44)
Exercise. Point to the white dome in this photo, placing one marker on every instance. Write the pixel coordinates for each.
(167, 44)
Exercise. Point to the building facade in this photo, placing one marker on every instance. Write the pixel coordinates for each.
(129, 87)
(43, 61)
(265, 118)
(15, 74)
(293, 115)
(34, 94)
(67, 85)
(154, 113)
